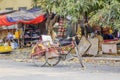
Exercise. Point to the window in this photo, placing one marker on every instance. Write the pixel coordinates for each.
(22, 8)
(9, 8)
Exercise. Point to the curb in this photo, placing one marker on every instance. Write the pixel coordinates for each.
(102, 58)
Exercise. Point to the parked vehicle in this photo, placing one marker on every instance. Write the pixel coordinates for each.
(51, 54)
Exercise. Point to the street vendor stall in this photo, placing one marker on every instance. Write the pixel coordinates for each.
(4, 48)
(24, 17)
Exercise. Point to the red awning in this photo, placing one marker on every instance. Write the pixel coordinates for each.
(5, 22)
(26, 17)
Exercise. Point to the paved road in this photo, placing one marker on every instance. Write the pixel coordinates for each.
(11, 70)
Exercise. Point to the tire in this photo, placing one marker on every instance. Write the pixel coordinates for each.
(39, 60)
(38, 56)
(52, 61)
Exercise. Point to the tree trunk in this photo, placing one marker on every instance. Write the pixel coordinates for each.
(50, 23)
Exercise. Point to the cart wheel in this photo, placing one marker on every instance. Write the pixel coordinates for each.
(39, 60)
(52, 61)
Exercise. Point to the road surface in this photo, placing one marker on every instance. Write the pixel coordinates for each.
(11, 70)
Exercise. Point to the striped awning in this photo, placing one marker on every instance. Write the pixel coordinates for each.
(33, 16)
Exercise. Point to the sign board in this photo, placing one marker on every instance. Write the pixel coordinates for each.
(93, 50)
(83, 45)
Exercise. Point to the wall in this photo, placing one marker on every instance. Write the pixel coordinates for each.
(15, 4)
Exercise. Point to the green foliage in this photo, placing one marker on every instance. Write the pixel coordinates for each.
(35, 3)
(109, 15)
(103, 12)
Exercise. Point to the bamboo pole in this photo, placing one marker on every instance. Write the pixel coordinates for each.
(24, 27)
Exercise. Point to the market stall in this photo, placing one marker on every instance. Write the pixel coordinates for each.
(23, 19)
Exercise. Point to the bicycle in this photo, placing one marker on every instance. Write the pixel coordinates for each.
(59, 54)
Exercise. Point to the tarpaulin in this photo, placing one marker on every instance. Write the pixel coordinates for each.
(5, 22)
(33, 16)
(6, 11)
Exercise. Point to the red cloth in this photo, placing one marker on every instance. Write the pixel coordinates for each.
(35, 21)
(110, 40)
(5, 22)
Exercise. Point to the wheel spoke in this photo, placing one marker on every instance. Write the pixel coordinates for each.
(39, 60)
(52, 60)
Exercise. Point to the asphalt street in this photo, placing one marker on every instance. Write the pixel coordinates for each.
(11, 70)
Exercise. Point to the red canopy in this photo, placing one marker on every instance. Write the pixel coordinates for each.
(35, 21)
(26, 17)
(5, 22)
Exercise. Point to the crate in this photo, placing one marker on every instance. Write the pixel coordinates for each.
(110, 48)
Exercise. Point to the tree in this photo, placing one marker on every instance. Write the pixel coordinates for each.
(67, 7)
(109, 15)
(35, 3)
(103, 12)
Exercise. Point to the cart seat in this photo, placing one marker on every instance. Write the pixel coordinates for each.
(65, 42)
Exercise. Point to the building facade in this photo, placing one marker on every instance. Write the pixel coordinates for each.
(15, 4)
